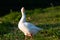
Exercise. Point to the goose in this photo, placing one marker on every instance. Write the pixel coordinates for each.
(27, 28)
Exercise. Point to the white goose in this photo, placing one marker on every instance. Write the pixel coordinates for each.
(27, 28)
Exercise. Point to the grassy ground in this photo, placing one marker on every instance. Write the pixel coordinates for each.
(48, 19)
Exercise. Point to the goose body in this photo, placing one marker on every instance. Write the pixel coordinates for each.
(26, 27)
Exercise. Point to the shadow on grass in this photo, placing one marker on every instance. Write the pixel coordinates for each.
(9, 31)
(16, 34)
(51, 30)
(6, 27)
(48, 26)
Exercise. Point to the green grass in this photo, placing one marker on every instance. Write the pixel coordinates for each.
(48, 19)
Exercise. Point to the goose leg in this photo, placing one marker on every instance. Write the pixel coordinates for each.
(25, 37)
(31, 37)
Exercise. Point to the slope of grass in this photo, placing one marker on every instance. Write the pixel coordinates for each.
(48, 19)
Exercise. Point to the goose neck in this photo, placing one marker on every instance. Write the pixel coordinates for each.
(23, 18)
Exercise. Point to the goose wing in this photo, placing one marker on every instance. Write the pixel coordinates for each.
(31, 27)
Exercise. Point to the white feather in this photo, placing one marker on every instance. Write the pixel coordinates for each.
(26, 27)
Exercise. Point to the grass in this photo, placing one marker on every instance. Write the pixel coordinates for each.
(48, 19)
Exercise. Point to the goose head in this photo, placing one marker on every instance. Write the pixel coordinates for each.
(22, 10)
